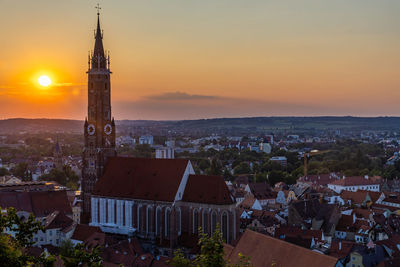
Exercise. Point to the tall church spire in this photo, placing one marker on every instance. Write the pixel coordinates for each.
(98, 45)
(98, 57)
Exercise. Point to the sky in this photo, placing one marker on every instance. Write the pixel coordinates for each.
(187, 59)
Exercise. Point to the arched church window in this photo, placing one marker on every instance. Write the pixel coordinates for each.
(213, 221)
(149, 226)
(224, 226)
(205, 221)
(115, 212)
(98, 210)
(179, 218)
(106, 210)
(167, 222)
(123, 214)
(158, 221)
(195, 221)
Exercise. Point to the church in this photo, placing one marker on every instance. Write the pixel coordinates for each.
(159, 200)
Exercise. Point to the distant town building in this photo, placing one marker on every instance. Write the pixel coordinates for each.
(126, 140)
(265, 147)
(281, 160)
(146, 140)
(356, 183)
(269, 139)
(170, 143)
(165, 153)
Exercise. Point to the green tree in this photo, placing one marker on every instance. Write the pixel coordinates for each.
(142, 151)
(80, 256)
(215, 167)
(211, 253)
(21, 171)
(242, 168)
(4, 171)
(12, 250)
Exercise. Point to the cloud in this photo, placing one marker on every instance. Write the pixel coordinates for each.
(176, 96)
(181, 105)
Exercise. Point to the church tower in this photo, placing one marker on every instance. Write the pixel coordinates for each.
(99, 128)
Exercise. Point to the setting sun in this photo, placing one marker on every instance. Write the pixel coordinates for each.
(44, 80)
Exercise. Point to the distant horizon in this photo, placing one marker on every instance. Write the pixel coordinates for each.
(213, 118)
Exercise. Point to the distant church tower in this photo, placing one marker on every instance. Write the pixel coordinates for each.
(99, 125)
(58, 160)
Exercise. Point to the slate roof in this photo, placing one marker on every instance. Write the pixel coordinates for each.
(141, 178)
(207, 189)
(264, 250)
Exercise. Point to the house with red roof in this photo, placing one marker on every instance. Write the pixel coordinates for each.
(356, 183)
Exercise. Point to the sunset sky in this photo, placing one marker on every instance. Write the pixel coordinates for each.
(192, 59)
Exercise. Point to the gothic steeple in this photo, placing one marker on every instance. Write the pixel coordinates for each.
(98, 56)
(98, 45)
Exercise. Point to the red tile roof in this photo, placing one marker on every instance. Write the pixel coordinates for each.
(317, 179)
(359, 196)
(140, 178)
(39, 203)
(46, 202)
(58, 220)
(83, 232)
(207, 189)
(356, 180)
(264, 250)
(340, 248)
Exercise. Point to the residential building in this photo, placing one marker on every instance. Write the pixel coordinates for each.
(356, 183)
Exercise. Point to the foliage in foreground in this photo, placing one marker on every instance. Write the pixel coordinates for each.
(211, 254)
(13, 250)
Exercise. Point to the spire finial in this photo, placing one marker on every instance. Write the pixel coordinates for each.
(98, 9)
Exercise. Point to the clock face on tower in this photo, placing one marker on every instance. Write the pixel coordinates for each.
(107, 129)
(91, 129)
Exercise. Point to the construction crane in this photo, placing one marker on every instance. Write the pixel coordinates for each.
(309, 155)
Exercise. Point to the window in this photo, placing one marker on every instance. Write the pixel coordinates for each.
(123, 214)
(224, 225)
(213, 221)
(141, 219)
(115, 212)
(106, 211)
(98, 210)
(158, 220)
(149, 227)
(167, 222)
(179, 215)
(195, 221)
(205, 222)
